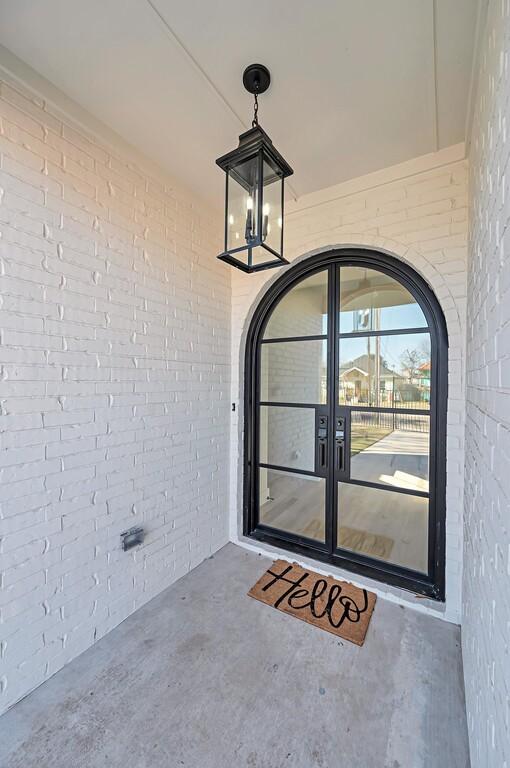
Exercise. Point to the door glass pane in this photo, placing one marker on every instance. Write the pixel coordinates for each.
(385, 371)
(385, 525)
(294, 372)
(292, 503)
(302, 311)
(373, 301)
(391, 449)
(287, 437)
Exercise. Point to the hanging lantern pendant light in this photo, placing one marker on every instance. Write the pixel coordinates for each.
(254, 193)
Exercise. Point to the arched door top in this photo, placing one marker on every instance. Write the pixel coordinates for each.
(345, 428)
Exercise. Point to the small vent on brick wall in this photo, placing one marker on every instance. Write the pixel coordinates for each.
(131, 538)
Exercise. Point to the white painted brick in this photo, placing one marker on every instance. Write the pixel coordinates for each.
(102, 299)
(486, 580)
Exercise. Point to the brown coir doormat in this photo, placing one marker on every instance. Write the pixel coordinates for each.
(335, 606)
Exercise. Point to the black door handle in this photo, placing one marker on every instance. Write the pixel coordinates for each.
(340, 455)
(340, 443)
(322, 454)
(322, 441)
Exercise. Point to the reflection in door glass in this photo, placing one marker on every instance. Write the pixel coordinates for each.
(302, 311)
(373, 301)
(386, 525)
(293, 503)
(287, 437)
(385, 371)
(294, 372)
(390, 449)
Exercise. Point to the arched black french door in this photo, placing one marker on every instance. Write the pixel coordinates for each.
(345, 418)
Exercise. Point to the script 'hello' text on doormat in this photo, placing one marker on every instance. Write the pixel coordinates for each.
(336, 606)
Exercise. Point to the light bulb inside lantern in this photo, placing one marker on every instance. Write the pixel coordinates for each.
(248, 230)
(265, 220)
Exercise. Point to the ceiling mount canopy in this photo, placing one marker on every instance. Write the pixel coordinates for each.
(254, 195)
(256, 78)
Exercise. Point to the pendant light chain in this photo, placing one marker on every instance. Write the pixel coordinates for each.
(255, 120)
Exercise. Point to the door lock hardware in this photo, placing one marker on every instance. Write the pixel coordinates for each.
(339, 443)
(322, 441)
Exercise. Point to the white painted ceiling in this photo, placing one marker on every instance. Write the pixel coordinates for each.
(358, 85)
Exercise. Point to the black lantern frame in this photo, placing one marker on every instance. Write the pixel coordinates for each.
(255, 173)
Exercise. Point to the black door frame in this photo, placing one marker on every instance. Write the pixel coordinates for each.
(432, 584)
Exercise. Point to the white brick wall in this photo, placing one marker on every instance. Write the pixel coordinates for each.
(115, 374)
(486, 601)
(418, 212)
(114, 388)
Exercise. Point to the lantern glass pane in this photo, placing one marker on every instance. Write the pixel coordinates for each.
(260, 255)
(242, 204)
(272, 220)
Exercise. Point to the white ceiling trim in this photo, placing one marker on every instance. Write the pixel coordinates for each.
(434, 66)
(406, 170)
(481, 21)
(194, 63)
(174, 38)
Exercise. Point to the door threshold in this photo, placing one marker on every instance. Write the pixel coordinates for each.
(403, 597)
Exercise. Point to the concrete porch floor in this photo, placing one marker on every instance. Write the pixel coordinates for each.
(205, 677)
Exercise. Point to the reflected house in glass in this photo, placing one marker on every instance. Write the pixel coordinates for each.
(422, 380)
(417, 379)
(423, 375)
(356, 375)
